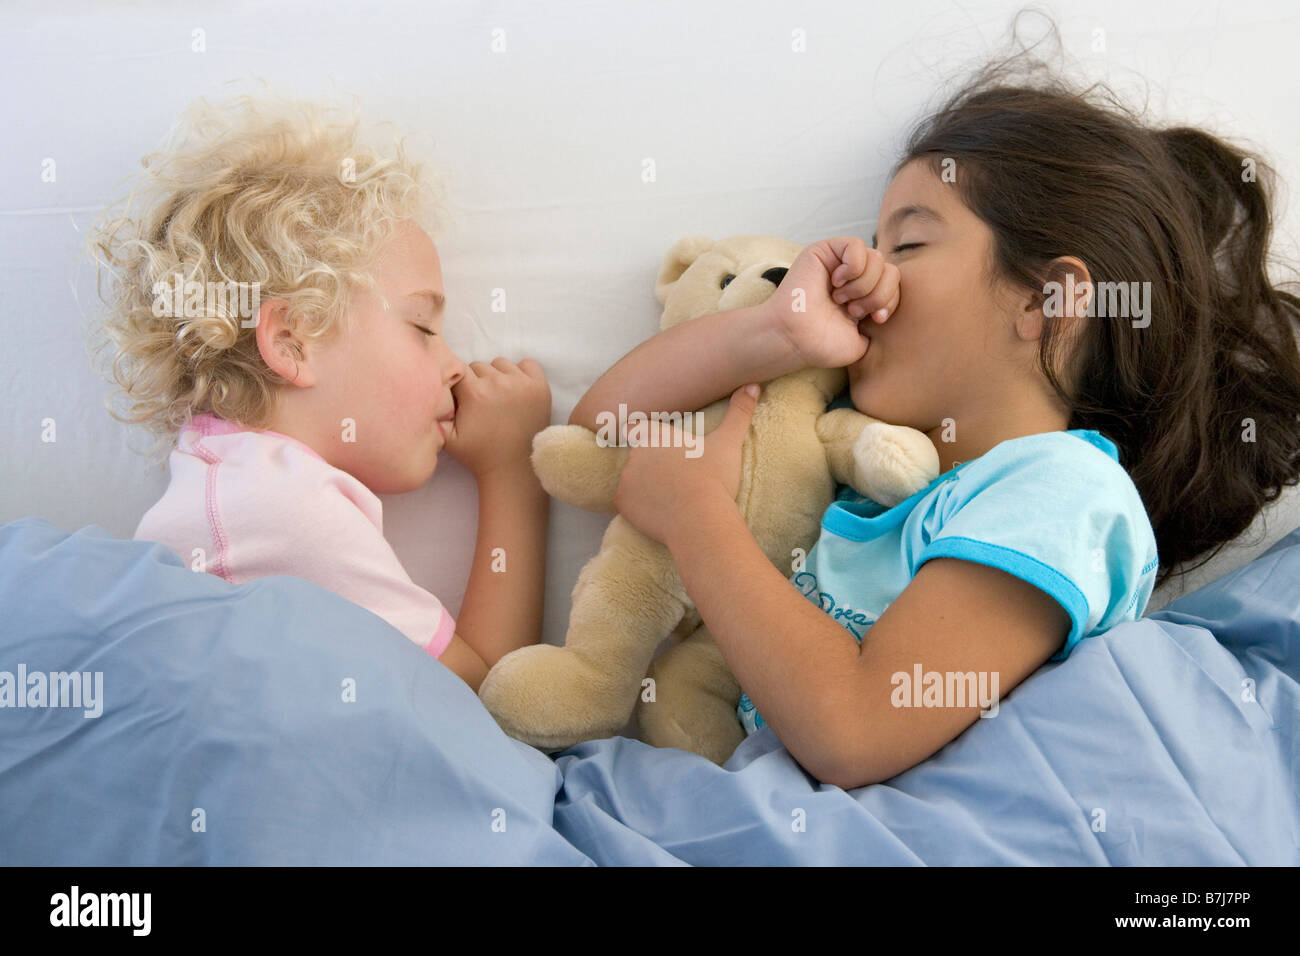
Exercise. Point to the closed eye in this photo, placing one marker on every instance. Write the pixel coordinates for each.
(908, 245)
(426, 331)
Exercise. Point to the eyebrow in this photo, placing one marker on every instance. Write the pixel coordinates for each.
(437, 298)
(898, 215)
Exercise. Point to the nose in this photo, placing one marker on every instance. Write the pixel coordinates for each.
(775, 274)
(458, 369)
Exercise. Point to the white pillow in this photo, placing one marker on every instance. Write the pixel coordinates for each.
(1275, 521)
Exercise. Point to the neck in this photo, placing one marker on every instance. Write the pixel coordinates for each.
(970, 436)
(290, 419)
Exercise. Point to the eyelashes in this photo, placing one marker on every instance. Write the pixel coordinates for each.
(426, 331)
(908, 245)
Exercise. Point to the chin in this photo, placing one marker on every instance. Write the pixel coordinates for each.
(867, 401)
(401, 482)
(858, 395)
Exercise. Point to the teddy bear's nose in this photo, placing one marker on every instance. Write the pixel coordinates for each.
(775, 274)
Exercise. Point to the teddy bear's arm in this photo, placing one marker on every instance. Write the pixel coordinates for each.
(887, 463)
(573, 466)
(838, 430)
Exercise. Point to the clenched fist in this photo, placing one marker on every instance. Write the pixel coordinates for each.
(499, 408)
(829, 288)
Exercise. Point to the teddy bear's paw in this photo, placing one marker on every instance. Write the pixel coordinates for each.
(572, 465)
(550, 698)
(699, 723)
(893, 462)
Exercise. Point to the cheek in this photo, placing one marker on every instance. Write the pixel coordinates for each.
(934, 315)
(410, 380)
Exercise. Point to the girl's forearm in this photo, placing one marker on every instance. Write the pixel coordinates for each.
(795, 663)
(690, 365)
(502, 610)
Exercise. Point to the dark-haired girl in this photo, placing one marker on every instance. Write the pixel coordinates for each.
(1089, 441)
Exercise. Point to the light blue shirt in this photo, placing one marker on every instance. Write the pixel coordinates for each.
(1055, 509)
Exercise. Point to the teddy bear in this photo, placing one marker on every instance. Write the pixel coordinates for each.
(629, 602)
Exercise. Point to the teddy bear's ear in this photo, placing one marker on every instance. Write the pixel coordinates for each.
(679, 259)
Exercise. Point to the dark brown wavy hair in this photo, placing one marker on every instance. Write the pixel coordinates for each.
(1204, 402)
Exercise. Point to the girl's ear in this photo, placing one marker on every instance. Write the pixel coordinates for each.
(1066, 294)
(281, 349)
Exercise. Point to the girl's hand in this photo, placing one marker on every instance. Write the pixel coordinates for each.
(659, 485)
(842, 282)
(499, 408)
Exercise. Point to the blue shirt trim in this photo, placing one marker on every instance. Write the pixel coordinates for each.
(854, 519)
(864, 519)
(1026, 568)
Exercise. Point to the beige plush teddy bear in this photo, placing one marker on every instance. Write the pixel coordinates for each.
(629, 598)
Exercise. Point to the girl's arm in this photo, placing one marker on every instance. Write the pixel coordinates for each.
(831, 701)
(789, 656)
(691, 365)
(810, 320)
(502, 610)
(499, 408)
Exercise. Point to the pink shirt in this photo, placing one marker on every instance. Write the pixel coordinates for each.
(260, 503)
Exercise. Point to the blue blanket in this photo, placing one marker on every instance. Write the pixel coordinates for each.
(277, 723)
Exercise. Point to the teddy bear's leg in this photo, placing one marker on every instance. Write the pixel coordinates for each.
(695, 699)
(627, 599)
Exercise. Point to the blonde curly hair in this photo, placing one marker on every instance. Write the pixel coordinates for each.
(276, 195)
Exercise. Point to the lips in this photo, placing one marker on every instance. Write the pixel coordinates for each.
(444, 423)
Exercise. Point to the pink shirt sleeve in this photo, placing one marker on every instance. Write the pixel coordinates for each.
(274, 506)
